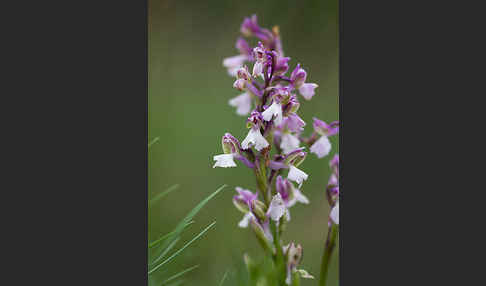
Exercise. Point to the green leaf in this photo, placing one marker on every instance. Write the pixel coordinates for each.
(180, 274)
(188, 218)
(158, 197)
(181, 249)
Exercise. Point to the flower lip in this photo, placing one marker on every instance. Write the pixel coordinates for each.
(289, 143)
(242, 103)
(277, 208)
(307, 90)
(275, 109)
(254, 138)
(224, 161)
(297, 175)
(321, 147)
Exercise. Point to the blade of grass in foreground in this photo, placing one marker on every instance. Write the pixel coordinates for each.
(158, 197)
(182, 249)
(153, 141)
(177, 231)
(169, 248)
(155, 242)
(224, 278)
(177, 283)
(179, 274)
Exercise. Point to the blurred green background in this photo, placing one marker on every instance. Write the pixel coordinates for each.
(189, 91)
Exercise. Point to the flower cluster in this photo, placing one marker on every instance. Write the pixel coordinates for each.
(272, 146)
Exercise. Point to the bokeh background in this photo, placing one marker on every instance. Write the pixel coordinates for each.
(188, 94)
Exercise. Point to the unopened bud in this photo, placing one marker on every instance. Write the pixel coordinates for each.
(241, 205)
(324, 129)
(259, 209)
(230, 144)
(262, 238)
(239, 84)
(294, 255)
(298, 76)
(296, 157)
(243, 73)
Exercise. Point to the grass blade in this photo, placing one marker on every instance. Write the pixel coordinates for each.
(180, 274)
(153, 141)
(189, 217)
(154, 243)
(158, 197)
(177, 283)
(224, 278)
(182, 248)
(169, 248)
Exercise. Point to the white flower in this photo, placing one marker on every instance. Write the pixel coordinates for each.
(304, 274)
(289, 143)
(242, 103)
(296, 175)
(224, 160)
(335, 213)
(233, 64)
(307, 90)
(298, 197)
(274, 110)
(321, 147)
(255, 138)
(246, 220)
(277, 207)
(258, 69)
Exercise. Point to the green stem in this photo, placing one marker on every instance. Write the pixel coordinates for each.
(278, 258)
(328, 248)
